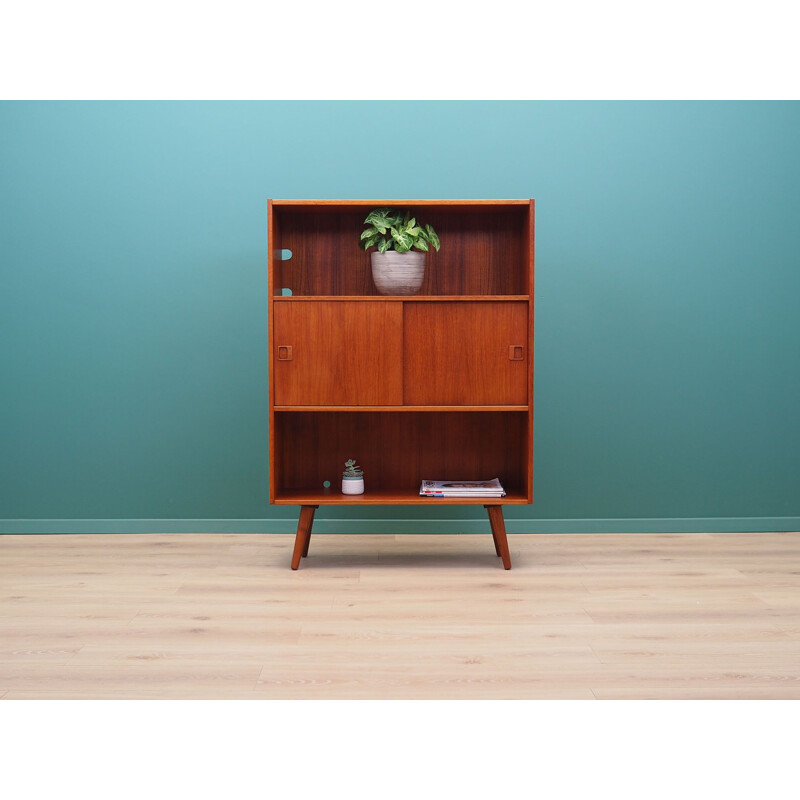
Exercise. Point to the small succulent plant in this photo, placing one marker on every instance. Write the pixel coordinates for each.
(352, 469)
(390, 229)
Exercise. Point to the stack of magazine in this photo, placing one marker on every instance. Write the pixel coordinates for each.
(492, 488)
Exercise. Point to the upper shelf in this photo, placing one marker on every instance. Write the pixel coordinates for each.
(411, 298)
(486, 247)
(368, 204)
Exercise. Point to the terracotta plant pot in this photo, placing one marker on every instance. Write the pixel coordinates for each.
(398, 273)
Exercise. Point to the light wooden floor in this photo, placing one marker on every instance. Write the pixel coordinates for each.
(222, 616)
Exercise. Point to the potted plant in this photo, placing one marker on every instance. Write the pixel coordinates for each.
(397, 267)
(352, 478)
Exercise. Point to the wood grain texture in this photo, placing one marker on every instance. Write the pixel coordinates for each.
(531, 270)
(475, 354)
(384, 497)
(384, 409)
(409, 617)
(483, 250)
(273, 238)
(459, 353)
(342, 354)
(303, 536)
(397, 452)
(499, 534)
(417, 298)
(311, 205)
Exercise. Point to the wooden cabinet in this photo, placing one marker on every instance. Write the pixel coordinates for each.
(437, 385)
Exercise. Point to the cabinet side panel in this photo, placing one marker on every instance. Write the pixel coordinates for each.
(272, 245)
(531, 345)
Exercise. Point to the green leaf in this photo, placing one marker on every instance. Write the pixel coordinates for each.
(405, 233)
(394, 221)
(432, 237)
(402, 240)
(382, 222)
(377, 215)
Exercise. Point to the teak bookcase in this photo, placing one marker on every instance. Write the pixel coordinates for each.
(434, 386)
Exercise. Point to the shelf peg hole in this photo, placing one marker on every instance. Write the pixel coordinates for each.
(326, 484)
(286, 254)
(286, 292)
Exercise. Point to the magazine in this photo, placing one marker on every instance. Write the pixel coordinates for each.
(492, 488)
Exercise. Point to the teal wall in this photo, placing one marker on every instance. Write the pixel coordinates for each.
(133, 331)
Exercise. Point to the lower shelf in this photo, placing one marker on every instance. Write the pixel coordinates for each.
(397, 450)
(383, 497)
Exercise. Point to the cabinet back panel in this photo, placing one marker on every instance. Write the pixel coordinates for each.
(399, 449)
(483, 252)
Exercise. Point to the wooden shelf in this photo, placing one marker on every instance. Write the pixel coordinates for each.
(399, 408)
(485, 249)
(397, 298)
(399, 497)
(397, 449)
(315, 205)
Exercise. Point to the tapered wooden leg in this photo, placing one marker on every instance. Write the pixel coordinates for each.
(310, 524)
(499, 534)
(308, 537)
(303, 536)
(494, 536)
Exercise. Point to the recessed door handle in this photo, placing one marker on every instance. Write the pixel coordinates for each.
(284, 352)
(516, 352)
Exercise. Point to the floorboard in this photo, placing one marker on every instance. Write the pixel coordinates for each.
(580, 616)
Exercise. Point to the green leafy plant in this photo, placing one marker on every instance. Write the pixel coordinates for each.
(390, 229)
(352, 469)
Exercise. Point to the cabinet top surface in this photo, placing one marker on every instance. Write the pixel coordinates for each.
(400, 202)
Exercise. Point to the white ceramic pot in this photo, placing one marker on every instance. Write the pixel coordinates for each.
(398, 273)
(353, 485)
